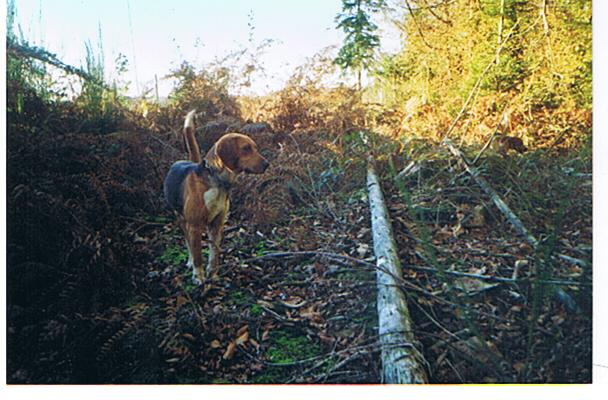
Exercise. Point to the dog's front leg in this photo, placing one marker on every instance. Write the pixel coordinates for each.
(215, 232)
(194, 237)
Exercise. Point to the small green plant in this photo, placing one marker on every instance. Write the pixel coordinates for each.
(256, 310)
(356, 142)
(28, 81)
(260, 249)
(355, 196)
(174, 255)
(157, 219)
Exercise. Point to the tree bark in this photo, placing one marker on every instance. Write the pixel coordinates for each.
(402, 362)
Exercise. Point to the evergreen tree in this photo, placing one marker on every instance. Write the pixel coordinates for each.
(357, 53)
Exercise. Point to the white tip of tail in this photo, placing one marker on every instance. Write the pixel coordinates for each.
(189, 123)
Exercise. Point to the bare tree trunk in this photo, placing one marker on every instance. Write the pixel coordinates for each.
(543, 14)
(500, 27)
(156, 89)
(402, 362)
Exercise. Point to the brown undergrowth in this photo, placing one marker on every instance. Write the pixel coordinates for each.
(98, 290)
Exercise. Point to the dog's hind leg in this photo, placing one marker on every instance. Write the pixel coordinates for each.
(182, 225)
(193, 236)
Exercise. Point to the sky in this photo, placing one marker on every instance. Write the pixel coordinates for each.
(157, 35)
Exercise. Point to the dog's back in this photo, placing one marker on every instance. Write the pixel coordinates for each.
(173, 186)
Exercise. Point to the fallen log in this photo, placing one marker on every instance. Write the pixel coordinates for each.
(402, 361)
(511, 217)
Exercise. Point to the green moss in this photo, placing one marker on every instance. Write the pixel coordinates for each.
(287, 347)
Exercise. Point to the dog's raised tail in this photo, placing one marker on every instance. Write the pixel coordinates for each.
(194, 152)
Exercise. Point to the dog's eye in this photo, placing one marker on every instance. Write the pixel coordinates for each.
(247, 148)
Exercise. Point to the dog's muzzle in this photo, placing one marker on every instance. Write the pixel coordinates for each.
(259, 168)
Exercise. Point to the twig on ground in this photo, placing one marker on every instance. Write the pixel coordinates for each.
(340, 257)
(499, 279)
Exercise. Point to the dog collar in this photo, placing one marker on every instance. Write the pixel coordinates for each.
(222, 182)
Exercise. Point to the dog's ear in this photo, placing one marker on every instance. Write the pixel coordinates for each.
(227, 152)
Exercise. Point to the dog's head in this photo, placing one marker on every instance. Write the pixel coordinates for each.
(239, 153)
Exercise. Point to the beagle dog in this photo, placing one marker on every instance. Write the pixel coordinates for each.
(198, 190)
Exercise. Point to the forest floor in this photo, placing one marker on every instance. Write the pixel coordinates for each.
(99, 291)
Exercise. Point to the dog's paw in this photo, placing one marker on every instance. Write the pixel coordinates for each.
(198, 278)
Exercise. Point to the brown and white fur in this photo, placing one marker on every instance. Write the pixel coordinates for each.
(198, 190)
